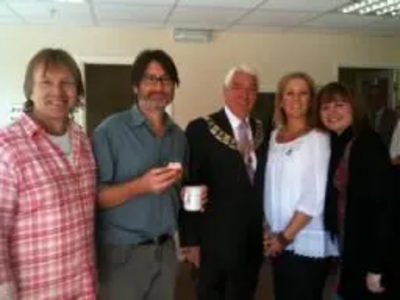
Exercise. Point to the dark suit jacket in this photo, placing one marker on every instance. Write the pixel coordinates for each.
(386, 125)
(229, 232)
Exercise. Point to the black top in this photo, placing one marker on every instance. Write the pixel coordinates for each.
(369, 200)
(338, 146)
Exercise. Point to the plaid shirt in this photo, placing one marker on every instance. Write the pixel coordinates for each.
(46, 215)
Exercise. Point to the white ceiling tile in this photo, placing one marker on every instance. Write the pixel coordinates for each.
(221, 3)
(46, 8)
(134, 13)
(270, 15)
(257, 28)
(320, 30)
(391, 24)
(347, 31)
(25, 1)
(5, 11)
(337, 20)
(276, 18)
(304, 5)
(137, 2)
(204, 17)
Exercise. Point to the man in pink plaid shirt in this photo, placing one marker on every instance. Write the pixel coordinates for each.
(47, 189)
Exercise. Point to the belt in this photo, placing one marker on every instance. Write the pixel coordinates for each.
(160, 240)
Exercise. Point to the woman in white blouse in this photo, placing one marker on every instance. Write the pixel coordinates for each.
(294, 194)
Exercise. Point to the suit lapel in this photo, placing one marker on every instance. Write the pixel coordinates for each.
(253, 127)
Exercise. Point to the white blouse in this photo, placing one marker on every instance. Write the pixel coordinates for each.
(295, 181)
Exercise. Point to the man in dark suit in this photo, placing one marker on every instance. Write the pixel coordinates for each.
(383, 118)
(227, 151)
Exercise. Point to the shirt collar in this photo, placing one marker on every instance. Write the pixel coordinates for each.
(139, 119)
(32, 128)
(233, 119)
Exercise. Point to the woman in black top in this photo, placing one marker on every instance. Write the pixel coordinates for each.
(359, 195)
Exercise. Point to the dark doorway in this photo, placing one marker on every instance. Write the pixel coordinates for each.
(108, 90)
(264, 108)
(361, 79)
(377, 91)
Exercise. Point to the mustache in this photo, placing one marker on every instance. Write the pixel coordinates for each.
(156, 94)
(153, 97)
(154, 103)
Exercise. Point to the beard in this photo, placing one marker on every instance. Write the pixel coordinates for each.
(154, 103)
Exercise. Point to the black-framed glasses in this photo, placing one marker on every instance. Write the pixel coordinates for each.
(154, 80)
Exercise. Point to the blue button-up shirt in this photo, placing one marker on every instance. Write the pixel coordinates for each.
(125, 148)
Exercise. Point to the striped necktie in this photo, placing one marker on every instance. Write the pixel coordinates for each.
(246, 147)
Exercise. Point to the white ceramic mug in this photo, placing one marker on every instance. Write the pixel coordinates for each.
(192, 198)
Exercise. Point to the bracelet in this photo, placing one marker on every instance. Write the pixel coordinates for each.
(283, 240)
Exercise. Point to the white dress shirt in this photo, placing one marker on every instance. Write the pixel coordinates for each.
(295, 181)
(235, 122)
(395, 143)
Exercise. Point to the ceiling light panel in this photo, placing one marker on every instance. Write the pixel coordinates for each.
(385, 8)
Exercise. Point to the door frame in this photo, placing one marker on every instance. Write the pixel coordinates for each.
(389, 66)
(80, 115)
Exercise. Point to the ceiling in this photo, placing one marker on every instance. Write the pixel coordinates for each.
(249, 15)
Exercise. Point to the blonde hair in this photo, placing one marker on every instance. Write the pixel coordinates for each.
(279, 115)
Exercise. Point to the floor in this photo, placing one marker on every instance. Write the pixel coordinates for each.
(185, 288)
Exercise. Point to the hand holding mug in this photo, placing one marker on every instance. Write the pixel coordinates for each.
(194, 197)
(374, 283)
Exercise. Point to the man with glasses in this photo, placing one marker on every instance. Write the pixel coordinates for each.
(140, 154)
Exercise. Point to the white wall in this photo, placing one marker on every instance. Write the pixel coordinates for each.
(201, 66)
